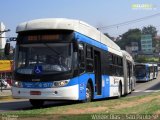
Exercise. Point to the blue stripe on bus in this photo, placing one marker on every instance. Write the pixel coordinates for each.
(83, 38)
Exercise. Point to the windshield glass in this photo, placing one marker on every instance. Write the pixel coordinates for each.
(47, 58)
(140, 70)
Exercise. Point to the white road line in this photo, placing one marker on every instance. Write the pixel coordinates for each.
(137, 91)
(146, 91)
(152, 91)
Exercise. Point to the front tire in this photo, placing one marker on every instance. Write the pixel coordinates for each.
(88, 94)
(36, 103)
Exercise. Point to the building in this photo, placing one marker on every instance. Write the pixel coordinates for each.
(157, 46)
(132, 49)
(128, 49)
(134, 46)
(146, 44)
(2, 36)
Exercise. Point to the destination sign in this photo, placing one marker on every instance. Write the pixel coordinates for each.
(43, 37)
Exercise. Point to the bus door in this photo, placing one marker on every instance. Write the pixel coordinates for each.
(149, 72)
(129, 74)
(97, 71)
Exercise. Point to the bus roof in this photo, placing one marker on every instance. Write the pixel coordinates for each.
(67, 24)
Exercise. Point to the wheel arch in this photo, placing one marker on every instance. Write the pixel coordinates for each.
(92, 86)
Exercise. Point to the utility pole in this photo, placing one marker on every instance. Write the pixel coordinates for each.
(1, 32)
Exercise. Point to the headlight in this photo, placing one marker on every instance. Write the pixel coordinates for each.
(17, 84)
(61, 83)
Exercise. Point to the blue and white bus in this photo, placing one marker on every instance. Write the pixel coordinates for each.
(64, 59)
(144, 71)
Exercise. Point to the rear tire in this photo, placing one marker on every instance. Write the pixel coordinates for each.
(36, 103)
(88, 94)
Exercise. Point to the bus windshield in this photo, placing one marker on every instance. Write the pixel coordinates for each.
(140, 71)
(52, 58)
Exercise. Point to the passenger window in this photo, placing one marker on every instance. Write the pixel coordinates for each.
(89, 59)
(89, 52)
(81, 58)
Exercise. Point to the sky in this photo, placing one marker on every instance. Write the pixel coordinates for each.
(98, 13)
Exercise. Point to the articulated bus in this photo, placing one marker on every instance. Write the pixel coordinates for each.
(64, 59)
(146, 71)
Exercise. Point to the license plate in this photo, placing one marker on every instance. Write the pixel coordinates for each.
(35, 92)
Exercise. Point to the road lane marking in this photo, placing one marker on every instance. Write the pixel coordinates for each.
(146, 91)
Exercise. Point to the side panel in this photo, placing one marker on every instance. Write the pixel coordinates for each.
(125, 75)
(106, 86)
(114, 84)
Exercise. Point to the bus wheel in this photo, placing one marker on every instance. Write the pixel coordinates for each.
(88, 94)
(36, 103)
(119, 90)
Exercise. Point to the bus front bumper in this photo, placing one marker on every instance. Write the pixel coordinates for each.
(61, 93)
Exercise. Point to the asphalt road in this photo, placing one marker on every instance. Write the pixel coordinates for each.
(141, 89)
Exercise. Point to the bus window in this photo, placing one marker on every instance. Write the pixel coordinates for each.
(81, 58)
(89, 59)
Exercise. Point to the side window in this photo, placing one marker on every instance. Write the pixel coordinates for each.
(114, 59)
(81, 49)
(108, 62)
(89, 59)
(120, 64)
(89, 52)
(114, 64)
(120, 61)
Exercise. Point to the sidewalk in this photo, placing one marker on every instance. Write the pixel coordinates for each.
(4, 93)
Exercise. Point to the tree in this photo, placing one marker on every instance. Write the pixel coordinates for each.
(149, 30)
(106, 34)
(132, 35)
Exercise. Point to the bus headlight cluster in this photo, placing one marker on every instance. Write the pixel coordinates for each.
(17, 84)
(61, 83)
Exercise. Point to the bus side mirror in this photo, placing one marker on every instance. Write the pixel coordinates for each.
(7, 49)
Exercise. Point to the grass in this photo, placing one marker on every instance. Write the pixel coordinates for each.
(146, 104)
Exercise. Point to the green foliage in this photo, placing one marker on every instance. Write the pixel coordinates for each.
(146, 59)
(149, 30)
(106, 34)
(132, 35)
